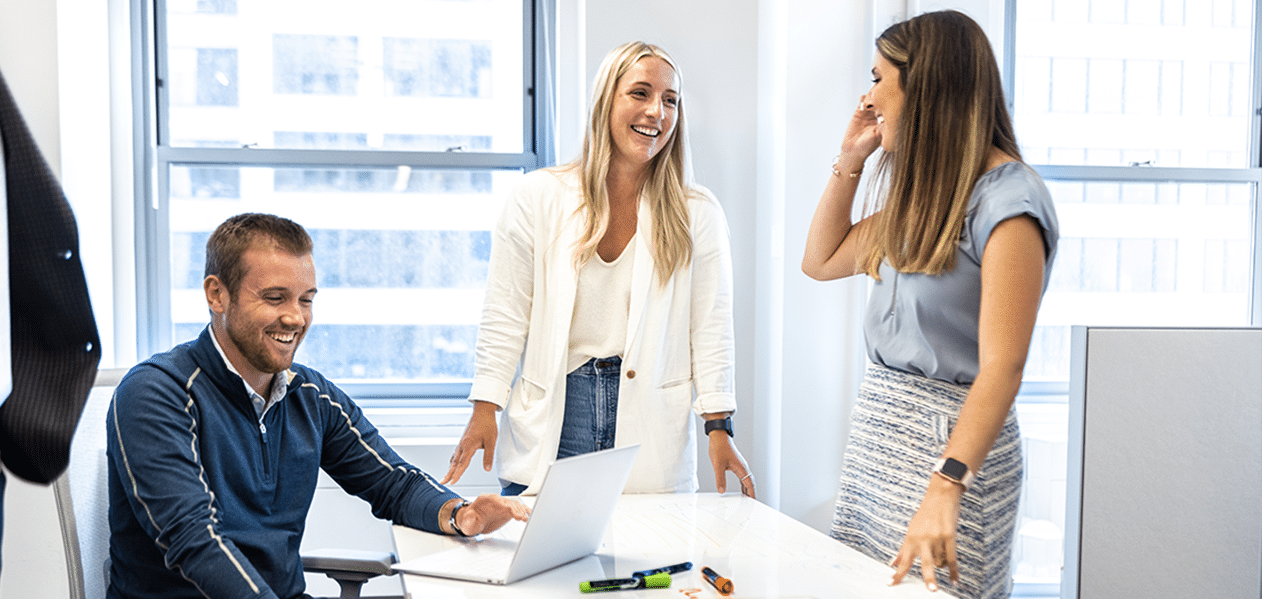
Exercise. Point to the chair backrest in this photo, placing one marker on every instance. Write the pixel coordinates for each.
(82, 499)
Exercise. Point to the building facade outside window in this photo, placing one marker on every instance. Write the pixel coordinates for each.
(437, 68)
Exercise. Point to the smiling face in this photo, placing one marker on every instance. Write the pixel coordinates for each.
(260, 326)
(645, 108)
(886, 100)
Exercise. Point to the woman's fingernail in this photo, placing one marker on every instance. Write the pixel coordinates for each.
(893, 581)
(933, 588)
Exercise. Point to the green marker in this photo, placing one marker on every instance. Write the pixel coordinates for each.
(654, 581)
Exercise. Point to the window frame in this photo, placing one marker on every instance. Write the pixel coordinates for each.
(154, 158)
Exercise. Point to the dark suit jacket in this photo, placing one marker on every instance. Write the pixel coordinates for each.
(55, 343)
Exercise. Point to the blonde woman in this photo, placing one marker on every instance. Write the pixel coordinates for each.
(960, 246)
(608, 314)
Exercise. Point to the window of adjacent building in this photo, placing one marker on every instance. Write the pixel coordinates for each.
(1140, 116)
(437, 68)
(216, 77)
(391, 131)
(315, 64)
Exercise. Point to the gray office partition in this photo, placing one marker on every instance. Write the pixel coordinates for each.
(1165, 464)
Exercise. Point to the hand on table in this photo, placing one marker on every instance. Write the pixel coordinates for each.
(931, 535)
(724, 457)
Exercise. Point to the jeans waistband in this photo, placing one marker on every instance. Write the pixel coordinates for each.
(600, 367)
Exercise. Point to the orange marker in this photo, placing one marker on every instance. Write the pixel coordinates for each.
(720, 584)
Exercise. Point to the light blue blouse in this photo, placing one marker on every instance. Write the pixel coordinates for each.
(927, 324)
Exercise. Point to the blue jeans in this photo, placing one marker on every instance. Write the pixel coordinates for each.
(591, 412)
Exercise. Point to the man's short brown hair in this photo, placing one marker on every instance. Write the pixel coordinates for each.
(232, 239)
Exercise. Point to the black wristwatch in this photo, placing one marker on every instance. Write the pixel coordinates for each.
(452, 521)
(719, 424)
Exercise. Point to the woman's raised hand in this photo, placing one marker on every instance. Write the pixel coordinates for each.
(863, 136)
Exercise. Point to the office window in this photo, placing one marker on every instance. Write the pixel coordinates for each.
(1140, 116)
(391, 131)
(1106, 83)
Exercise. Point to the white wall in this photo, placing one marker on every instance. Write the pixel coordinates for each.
(28, 60)
(826, 58)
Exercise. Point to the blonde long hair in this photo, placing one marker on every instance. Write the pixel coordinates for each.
(668, 187)
(953, 113)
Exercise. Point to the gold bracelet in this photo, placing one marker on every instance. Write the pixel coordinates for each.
(837, 173)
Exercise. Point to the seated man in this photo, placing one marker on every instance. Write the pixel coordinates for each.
(215, 446)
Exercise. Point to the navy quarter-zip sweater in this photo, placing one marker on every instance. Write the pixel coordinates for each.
(206, 501)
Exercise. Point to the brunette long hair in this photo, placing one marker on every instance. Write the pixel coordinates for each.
(953, 113)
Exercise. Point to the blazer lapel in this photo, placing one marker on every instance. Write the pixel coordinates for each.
(642, 280)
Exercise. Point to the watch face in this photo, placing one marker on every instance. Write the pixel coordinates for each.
(954, 469)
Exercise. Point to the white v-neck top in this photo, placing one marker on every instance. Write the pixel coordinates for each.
(601, 308)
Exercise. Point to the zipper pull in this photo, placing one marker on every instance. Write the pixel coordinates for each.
(894, 294)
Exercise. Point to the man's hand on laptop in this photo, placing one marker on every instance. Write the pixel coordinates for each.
(488, 513)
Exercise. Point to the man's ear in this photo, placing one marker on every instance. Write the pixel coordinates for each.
(217, 296)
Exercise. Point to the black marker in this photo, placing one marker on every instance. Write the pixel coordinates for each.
(675, 569)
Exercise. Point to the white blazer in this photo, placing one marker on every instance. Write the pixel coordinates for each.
(679, 337)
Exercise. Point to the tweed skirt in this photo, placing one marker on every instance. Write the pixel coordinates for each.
(899, 428)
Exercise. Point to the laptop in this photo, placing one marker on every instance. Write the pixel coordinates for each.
(574, 507)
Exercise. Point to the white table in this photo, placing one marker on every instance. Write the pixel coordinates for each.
(765, 553)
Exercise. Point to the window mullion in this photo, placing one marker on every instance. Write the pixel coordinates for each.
(159, 78)
(1137, 174)
(153, 247)
(1255, 145)
(345, 158)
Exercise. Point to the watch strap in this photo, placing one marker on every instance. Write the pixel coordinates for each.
(719, 424)
(456, 510)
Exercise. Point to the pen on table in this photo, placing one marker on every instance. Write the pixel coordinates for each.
(675, 569)
(720, 584)
(653, 581)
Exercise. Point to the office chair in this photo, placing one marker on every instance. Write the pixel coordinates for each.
(83, 508)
